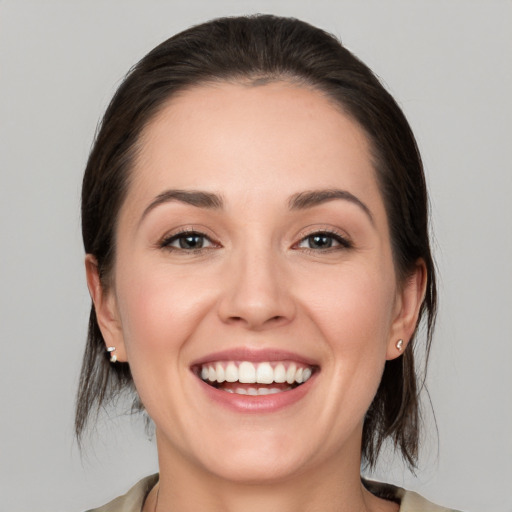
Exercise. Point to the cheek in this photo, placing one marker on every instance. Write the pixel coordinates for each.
(353, 307)
(354, 314)
(158, 310)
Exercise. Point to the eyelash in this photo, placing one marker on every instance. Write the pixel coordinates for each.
(166, 242)
(342, 241)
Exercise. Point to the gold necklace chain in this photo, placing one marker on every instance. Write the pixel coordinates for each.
(156, 501)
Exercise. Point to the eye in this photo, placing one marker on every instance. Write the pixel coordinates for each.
(324, 240)
(187, 241)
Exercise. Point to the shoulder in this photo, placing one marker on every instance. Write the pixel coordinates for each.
(133, 500)
(413, 502)
(409, 501)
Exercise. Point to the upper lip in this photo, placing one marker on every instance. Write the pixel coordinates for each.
(254, 355)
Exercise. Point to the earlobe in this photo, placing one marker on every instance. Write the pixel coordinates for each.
(408, 305)
(106, 309)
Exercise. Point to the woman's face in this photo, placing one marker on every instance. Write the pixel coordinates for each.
(253, 245)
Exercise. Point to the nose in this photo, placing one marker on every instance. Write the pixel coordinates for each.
(255, 292)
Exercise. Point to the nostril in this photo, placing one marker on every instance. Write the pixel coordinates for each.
(255, 312)
(254, 322)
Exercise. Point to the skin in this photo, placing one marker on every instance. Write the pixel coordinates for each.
(256, 283)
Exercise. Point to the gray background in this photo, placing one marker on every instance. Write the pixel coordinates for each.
(449, 65)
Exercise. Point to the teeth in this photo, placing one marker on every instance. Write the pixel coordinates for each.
(264, 374)
(219, 370)
(247, 372)
(254, 391)
(231, 373)
(280, 373)
(290, 373)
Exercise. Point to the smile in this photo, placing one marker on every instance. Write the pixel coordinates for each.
(250, 378)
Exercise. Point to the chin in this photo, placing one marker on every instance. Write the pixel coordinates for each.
(253, 468)
(263, 455)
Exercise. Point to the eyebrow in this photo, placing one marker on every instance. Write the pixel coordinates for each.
(197, 198)
(299, 201)
(311, 198)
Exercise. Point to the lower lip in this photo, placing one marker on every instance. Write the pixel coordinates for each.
(257, 403)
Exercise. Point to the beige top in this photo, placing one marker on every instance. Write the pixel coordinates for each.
(409, 501)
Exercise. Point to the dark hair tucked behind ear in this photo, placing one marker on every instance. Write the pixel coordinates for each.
(261, 49)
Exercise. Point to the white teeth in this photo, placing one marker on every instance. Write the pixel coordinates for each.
(264, 374)
(231, 372)
(280, 373)
(219, 370)
(290, 373)
(254, 391)
(246, 373)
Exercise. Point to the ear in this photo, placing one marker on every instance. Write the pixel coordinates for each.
(407, 307)
(106, 309)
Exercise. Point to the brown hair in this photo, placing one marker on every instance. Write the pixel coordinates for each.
(262, 49)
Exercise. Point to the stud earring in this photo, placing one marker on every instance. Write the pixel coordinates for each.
(399, 345)
(113, 357)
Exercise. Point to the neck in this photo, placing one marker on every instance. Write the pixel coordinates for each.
(334, 486)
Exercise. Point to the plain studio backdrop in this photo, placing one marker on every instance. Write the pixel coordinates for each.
(449, 66)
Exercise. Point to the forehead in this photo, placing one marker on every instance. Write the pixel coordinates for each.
(254, 141)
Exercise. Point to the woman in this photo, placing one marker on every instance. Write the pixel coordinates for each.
(254, 214)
